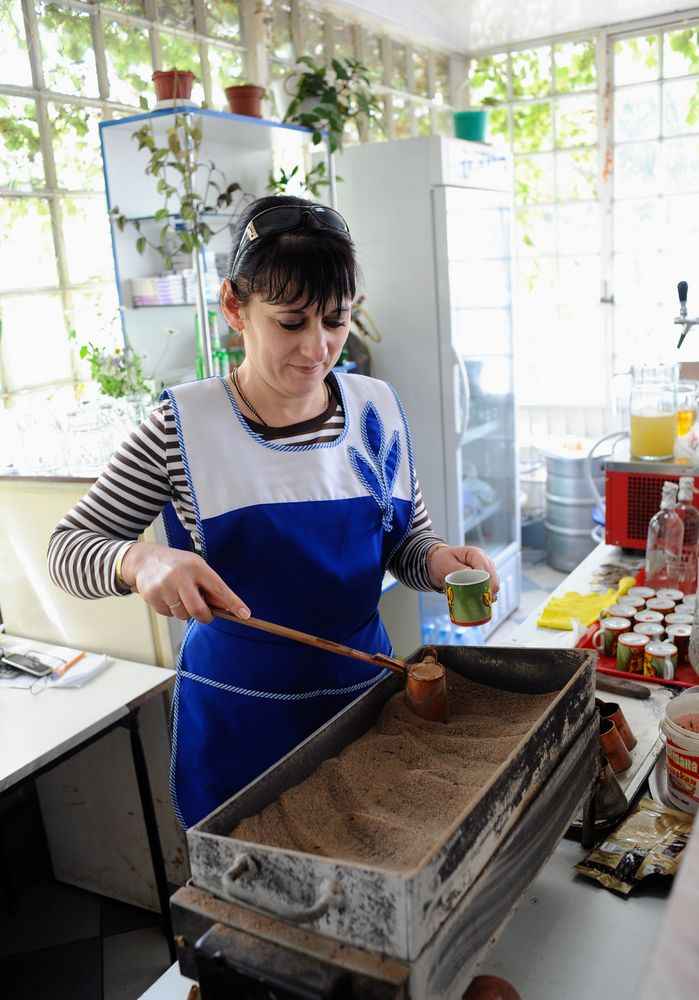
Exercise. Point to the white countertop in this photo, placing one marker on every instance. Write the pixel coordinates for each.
(36, 729)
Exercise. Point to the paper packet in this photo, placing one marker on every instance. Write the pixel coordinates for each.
(649, 841)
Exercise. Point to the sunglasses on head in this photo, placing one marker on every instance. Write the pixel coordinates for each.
(286, 218)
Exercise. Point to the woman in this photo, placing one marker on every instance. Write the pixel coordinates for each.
(294, 490)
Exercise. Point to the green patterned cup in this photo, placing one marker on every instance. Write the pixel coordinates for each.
(468, 595)
(629, 652)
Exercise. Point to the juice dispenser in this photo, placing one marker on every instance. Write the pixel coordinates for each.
(652, 412)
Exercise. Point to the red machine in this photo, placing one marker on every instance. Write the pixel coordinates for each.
(632, 495)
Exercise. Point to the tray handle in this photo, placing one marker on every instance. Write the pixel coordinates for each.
(331, 896)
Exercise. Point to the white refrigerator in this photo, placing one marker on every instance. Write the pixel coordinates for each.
(432, 220)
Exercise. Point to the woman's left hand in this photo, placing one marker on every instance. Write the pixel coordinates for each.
(450, 558)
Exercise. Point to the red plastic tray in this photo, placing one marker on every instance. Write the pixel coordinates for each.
(684, 674)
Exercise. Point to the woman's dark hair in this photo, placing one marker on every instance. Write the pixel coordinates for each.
(313, 264)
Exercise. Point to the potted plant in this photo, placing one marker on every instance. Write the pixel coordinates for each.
(173, 84)
(245, 99)
(194, 191)
(327, 98)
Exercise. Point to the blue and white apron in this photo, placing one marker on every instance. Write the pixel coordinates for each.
(303, 536)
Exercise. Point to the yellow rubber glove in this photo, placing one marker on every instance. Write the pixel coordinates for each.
(625, 585)
(583, 607)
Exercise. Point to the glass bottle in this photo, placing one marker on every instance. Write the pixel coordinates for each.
(664, 543)
(690, 540)
(693, 653)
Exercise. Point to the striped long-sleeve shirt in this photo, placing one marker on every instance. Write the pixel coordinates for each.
(147, 471)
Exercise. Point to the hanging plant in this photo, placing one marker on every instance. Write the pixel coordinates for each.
(194, 191)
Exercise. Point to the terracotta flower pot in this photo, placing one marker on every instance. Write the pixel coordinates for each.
(173, 83)
(245, 100)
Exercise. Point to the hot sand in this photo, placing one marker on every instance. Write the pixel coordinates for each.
(393, 793)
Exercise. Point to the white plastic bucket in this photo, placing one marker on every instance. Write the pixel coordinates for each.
(682, 750)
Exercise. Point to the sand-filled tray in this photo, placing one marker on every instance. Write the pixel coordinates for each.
(373, 829)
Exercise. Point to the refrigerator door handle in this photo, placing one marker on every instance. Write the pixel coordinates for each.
(461, 381)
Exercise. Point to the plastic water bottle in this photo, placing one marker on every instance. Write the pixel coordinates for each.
(690, 539)
(664, 543)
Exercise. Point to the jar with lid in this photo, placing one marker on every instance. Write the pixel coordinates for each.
(652, 412)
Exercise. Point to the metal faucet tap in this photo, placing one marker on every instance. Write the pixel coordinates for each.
(682, 318)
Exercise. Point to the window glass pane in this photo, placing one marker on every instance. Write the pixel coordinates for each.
(226, 66)
(223, 19)
(76, 146)
(87, 239)
(578, 279)
(636, 169)
(636, 335)
(27, 257)
(423, 119)
(182, 53)
(176, 13)
(531, 124)
(578, 229)
(14, 61)
(680, 165)
(531, 72)
(344, 40)
(66, 50)
(637, 224)
(680, 107)
(313, 32)
(399, 79)
(637, 277)
(681, 52)
(442, 90)
(576, 121)
(636, 60)
(401, 118)
(129, 68)
(535, 278)
(488, 78)
(681, 221)
(420, 61)
(42, 357)
(94, 317)
(535, 232)
(21, 162)
(574, 66)
(444, 123)
(279, 20)
(533, 179)
(499, 127)
(373, 58)
(576, 175)
(637, 113)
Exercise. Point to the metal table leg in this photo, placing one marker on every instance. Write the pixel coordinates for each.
(132, 722)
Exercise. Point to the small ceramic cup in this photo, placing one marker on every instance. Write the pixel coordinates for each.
(610, 710)
(644, 592)
(629, 652)
(618, 610)
(660, 659)
(678, 617)
(468, 596)
(647, 616)
(654, 630)
(613, 747)
(606, 637)
(635, 600)
(679, 635)
(665, 605)
(671, 593)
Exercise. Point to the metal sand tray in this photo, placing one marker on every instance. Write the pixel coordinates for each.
(397, 913)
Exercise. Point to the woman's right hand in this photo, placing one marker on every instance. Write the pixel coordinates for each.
(177, 584)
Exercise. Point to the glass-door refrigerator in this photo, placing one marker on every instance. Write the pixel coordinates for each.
(432, 218)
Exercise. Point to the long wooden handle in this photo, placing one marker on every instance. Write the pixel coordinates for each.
(378, 659)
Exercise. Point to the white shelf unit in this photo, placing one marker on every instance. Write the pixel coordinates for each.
(244, 150)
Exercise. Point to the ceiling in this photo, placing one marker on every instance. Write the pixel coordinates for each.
(470, 25)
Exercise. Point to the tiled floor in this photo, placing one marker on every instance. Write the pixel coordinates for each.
(68, 944)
